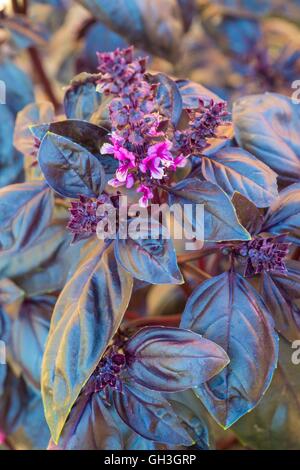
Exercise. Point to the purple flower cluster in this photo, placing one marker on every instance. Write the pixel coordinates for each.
(107, 374)
(119, 71)
(265, 254)
(203, 124)
(138, 140)
(83, 215)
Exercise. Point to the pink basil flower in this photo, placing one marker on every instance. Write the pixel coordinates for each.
(177, 162)
(161, 150)
(147, 194)
(158, 156)
(116, 143)
(152, 164)
(128, 182)
(127, 160)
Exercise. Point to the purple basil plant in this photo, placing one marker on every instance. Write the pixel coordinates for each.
(91, 364)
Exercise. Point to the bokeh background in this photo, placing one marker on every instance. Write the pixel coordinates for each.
(232, 47)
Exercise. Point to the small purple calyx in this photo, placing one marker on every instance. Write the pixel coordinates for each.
(203, 124)
(265, 254)
(107, 374)
(84, 217)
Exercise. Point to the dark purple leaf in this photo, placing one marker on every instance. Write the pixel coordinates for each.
(275, 423)
(150, 415)
(98, 38)
(286, 314)
(290, 282)
(4, 336)
(32, 115)
(173, 359)
(149, 259)
(234, 33)
(69, 168)
(248, 214)
(29, 333)
(19, 261)
(90, 426)
(25, 211)
(220, 219)
(227, 310)
(188, 10)
(3, 372)
(11, 161)
(192, 92)
(225, 136)
(143, 23)
(259, 7)
(193, 417)
(235, 169)
(13, 402)
(51, 274)
(19, 89)
(88, 135)
(81, 98)
(24, 32)
(137, 442)
(86, 317)
(11, 298)
(284, 214)
(83, 133)
(39, 130)
(267, 126)
(21, 414)
(168, 96)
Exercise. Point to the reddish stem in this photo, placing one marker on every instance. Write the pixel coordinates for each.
(227, 443)
(39, 68)
(20, 7)
(196, 272)
(165, 320)
(196, 255)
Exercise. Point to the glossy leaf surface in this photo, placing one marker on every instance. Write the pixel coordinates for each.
(284, 214)
(173, 359)
(227, 310)
(151, 257)
(235, 169)
(87, 314)
(150, 415)
(220, 220)
(70, 169)
(266, 125)
(274, 423)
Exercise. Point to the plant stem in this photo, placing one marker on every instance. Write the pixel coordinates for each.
(37, 63)
(197, 272)
(227, 443)
(45, 82)
(162, 320)
(195, 255)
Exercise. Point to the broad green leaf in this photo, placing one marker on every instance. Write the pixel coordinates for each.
(69, 168)
(267, 126)
(275, 423)
(86, 317)
(220, 219)
(227, 310)
(235, 169)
